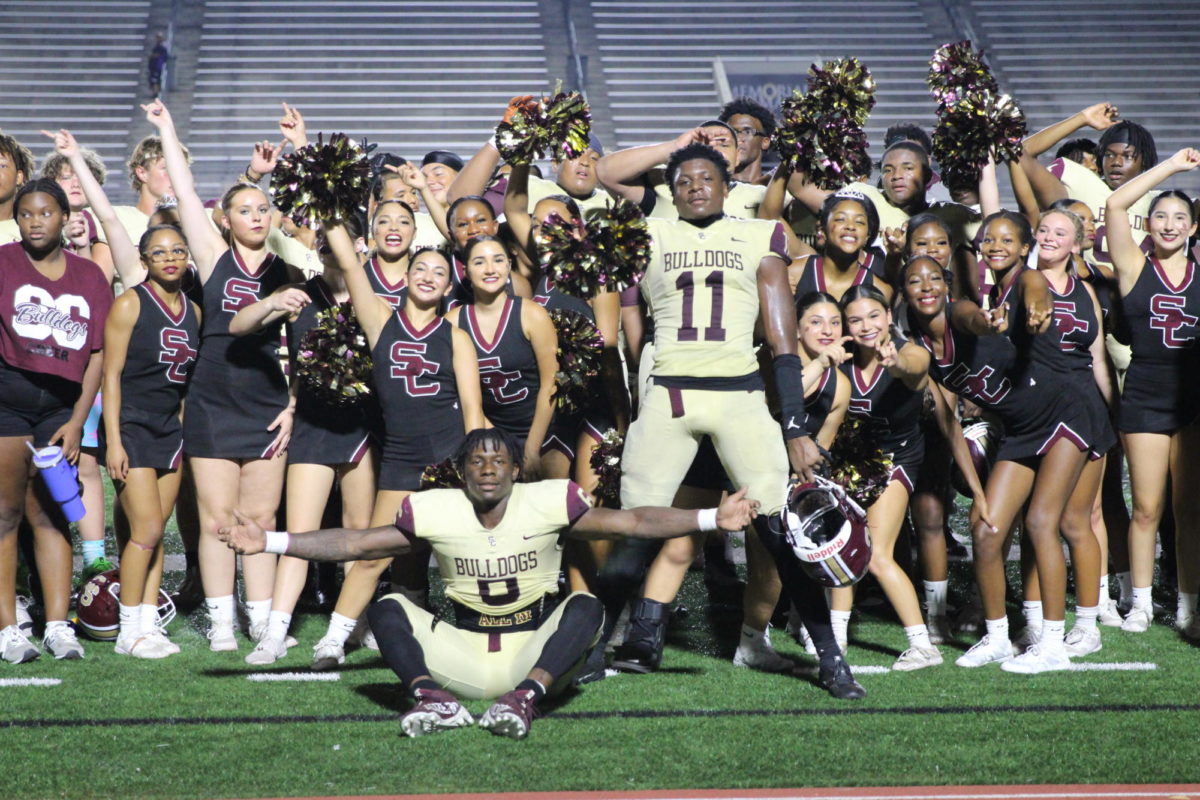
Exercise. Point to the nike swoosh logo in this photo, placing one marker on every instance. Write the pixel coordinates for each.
(536, 535)
(739, 241)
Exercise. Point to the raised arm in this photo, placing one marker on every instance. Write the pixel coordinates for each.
(1099, 116)
(623, 172)
(1127, 256)
(203, 240)
(651, 522)
(415, 179)
(989, 189)
(371, 310)
(333, 544)
(1023, 191)
(516, 209)
(125, 255)
(811, 195)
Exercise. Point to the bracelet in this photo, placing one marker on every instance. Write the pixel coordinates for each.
(706, 520)
(277, 541)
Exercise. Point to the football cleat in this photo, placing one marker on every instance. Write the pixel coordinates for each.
(15, 647)
(436, 710)
(511, 715)
(61, 642)
(836, 678)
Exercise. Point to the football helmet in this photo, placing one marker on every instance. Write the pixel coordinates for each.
(97, 607)
(983, 440)
(827, 531)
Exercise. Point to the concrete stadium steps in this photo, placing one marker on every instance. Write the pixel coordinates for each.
(657, 55)
(410, 76)
(72, 65)
(1058, 60)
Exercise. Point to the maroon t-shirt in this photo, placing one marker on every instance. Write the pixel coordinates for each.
(51, 327)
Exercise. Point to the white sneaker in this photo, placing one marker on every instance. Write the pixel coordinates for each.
(221, 638)
(267, 651)
(986, 651)
(367, 639)
(1138, 620)
(327, 654)
(1082, 641)
(1028, 638)
(761, 655)
(61, 642)
(24, 620)
(939, 630)
(797, 631)
(15, 647)
(915, 658)
(140, 646)
(159, 635)
(1109, 615)
(1037, 659)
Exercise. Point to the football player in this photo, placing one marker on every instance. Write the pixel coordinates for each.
(498, 546)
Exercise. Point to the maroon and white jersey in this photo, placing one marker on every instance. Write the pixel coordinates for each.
(51, 326)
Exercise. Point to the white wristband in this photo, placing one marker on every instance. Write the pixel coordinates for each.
(706, 520)
(277, 541)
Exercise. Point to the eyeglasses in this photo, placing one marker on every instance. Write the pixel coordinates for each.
(177, 254)
(748, 133)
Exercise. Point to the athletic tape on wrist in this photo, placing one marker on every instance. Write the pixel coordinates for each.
(277, 541)
(706, 520)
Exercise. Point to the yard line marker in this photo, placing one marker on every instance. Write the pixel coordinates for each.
(856, 669)
(30, 681)
(294, 676)
(1113, 666)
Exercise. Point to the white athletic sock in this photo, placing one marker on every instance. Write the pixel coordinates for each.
(277, 625)
(220, 609)
(1052, 634)
(1085, 617)
(754, 638)
(1033, 613)
(935, 598)
(149, 616)
(1185, 607)
(1104, 595)
(1142, 598)
(92, 549)
(918, 636)
(259, 611)
(997, 628)
(840, 622)
(1125, 584)
(131, 620)
(340, 627)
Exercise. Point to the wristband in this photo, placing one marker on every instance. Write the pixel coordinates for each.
(277, 542)
(706, 520)
(789, 382)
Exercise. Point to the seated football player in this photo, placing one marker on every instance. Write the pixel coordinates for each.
(498, 546)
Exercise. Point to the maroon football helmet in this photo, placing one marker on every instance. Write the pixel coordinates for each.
(828, 533)
(983, 440)
(97, 607)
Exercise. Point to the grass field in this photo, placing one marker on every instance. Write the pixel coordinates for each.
(195, 725)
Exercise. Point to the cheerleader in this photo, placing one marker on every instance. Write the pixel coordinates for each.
(1160, 401)
(1039, 461)
(850, 224)
(53, 305)
(427, 386)
(239, 414)
(887, 394)
(517, 349)
(330, 444)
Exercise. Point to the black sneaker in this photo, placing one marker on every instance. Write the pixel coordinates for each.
(436, 710)
(511, 715)
(839, 682)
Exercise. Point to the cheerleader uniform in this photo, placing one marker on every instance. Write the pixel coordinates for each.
(237, 387)
(813, 277)
(323, 433)
(162, 351)
(1065, 352)
(1035, 408)
(48, 332)
(596, 418)
(418, 397)
(1162, 385)
(891, 414)
(508, 369)
(394, 293)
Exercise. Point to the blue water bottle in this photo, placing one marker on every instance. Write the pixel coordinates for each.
(62, 479)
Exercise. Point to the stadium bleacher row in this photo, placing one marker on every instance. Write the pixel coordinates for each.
(418, 74)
